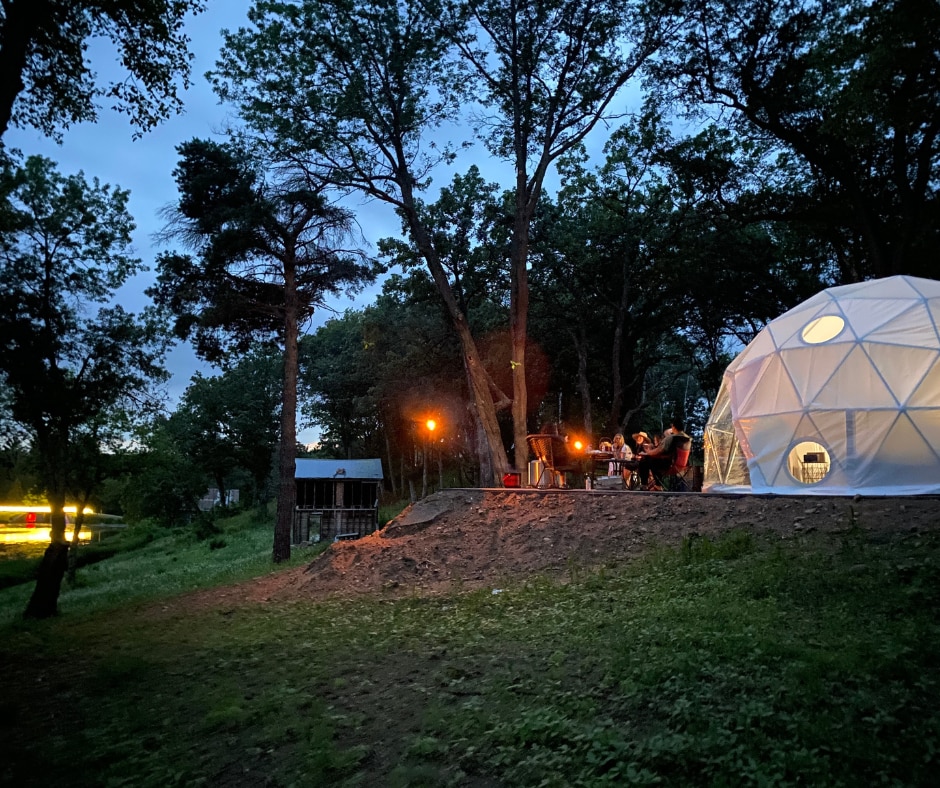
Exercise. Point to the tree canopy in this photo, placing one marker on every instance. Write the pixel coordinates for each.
(47, 80)
(848, 92)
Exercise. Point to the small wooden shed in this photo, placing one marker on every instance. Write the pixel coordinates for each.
(336, 499)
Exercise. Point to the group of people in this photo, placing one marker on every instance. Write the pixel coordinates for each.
(645, 456)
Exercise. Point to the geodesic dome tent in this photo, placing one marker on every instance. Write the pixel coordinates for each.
(840, 395)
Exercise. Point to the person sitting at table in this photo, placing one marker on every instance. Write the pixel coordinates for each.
(659, 458)
(641, 442)
(621, 451)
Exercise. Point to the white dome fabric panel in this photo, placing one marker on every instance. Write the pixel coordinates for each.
(838, 396)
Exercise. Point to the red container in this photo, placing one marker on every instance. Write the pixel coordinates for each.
(512, 479)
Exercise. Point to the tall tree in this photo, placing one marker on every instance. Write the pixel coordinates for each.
(64, 250)
(359, 90)
(469, 226)
(354, 90)
(269, 253)
(47, 82)
(546, 73)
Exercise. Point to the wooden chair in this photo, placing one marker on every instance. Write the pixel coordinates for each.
(553, 452)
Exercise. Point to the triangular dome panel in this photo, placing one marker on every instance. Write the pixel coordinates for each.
(927, 423)
(763, 433)
(745, 378)
(760, 347)
(902, 368)
(927, 393)
(810, 368)
(904, 451)
(910, 325)
(877, 289)
(772, 392)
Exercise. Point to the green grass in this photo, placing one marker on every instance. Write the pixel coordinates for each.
(736, 662)
(146, 562)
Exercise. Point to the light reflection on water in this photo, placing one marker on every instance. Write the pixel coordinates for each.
(22, 550)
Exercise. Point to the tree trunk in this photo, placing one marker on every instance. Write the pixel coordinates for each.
(424, 471)
(223, 493)
(24, 19)
(616, 400)
(287, 460)
(519, 319)
(391, 464)
(481, 385)
(485, 464)
(44, 603)
(45, 599)
(76, 541)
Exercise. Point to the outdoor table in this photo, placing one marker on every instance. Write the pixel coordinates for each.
(602, 459)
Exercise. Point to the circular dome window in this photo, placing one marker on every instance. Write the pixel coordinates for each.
(822, 329)
(808, 462)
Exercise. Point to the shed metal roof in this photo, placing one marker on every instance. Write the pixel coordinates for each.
(338, 469)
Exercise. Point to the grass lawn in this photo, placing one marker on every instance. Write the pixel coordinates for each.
(736, 662)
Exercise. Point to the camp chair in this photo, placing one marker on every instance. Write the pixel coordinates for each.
(677, 477)
(553, 452)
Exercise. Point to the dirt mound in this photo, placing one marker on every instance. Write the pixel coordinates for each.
(469, 538)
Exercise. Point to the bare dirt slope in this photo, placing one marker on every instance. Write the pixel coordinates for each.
(470, 538)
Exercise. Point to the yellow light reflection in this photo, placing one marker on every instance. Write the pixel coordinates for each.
(23, 535)
(46, 509)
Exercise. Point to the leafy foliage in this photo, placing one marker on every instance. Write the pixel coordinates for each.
(47, 81)
(227, 426)
(263, 249)
(270, 252)
(848, 93)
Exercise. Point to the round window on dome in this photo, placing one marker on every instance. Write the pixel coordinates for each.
(809, 462)
(822, 329)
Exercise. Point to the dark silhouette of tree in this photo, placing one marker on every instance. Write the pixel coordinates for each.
(228, 424)
(355, 90)
(268, 254)
(848, 92)
(64, 250)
